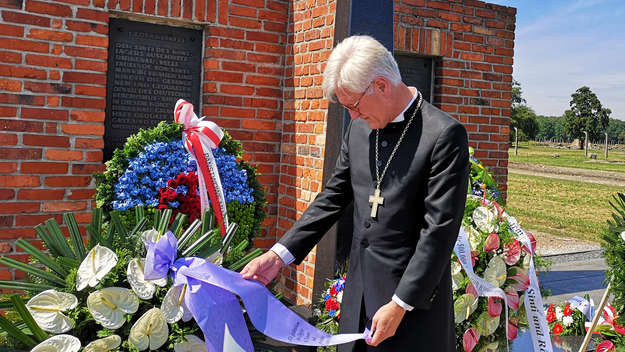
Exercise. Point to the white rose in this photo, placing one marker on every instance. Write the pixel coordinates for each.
(559, 313)
(339, 297)
(568, 320)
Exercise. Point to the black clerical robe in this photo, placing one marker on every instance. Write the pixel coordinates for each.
(405, 250)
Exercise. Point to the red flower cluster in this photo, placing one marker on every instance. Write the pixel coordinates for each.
(567, 310)
(332, 304)
(551, 314)
(188, 203)
(557, 329)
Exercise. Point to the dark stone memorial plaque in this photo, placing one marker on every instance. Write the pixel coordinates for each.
(150, 67)
(417, 71)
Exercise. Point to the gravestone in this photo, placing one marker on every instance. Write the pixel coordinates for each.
(150, 67)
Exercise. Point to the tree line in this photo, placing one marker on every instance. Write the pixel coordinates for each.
(585, 114)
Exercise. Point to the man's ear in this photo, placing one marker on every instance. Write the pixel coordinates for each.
(383, 86)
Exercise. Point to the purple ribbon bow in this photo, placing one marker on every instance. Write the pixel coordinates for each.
(210, 296)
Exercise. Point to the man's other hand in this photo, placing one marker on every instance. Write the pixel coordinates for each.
(385, 322)
(264, 268)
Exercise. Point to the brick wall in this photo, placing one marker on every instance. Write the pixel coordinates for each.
(53, 63)
(310, 41)
(473, 43)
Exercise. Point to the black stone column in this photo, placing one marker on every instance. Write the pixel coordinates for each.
(374, 18)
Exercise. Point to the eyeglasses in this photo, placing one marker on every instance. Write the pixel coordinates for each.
(354, 106)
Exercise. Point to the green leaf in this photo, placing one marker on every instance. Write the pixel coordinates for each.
(164, 221)
(138, 228)
(201, 243)
(59, 239)
(188, 233)
(46, 275)
(139, 213)
(495, 272)
(243, 261)
(76, 237)
(25, 286)
(13, 331)
(117, 226)
(176, 225)
(20, 308)
(230, 232)
(47, 240)
(41, 257)
(94, 229)
(68, 263)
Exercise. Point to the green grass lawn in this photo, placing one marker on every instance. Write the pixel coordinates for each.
(537, 153)
(559, 207)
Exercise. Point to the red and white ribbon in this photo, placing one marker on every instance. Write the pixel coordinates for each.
(200, 138)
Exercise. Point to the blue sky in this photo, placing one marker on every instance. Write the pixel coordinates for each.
(562, 45)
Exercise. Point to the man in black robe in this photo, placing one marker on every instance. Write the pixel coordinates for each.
(405, 165)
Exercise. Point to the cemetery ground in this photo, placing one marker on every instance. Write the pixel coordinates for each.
(561, 196)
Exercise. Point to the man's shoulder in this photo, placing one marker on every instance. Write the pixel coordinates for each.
(435, 119)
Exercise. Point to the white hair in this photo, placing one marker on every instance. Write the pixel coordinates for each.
(355, 63)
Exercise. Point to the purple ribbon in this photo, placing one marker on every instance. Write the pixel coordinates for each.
(210, 296)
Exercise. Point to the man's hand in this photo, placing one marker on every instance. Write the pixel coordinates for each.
(385, 322)
(264, 268)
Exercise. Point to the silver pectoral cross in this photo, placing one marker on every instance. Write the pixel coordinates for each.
(375, 201)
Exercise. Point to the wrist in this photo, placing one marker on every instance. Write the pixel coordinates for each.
(275, 257)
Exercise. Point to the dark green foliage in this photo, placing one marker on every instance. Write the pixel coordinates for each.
(586, 114)
(614, 253)
(522, 116)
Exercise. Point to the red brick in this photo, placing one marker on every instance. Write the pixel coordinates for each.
(89, 143)
(20, 126)
(67, 181)
(11, 30)
(48, 9)
(53, 88)
(79, 26)
(83, 129)
(40, 194)
(34, 220)
(244, 22)
(55, 36)
(20, 153)
(64, 206)
(7, 194)
(90, 91)
(22, 72)
(14, 58)
(8, 167)
(45, 141)
(94, 156)
(44, 114)
(18, 232)
(91, 40)
(94, 15)
(80, 169)
(472, 56)
(10, 85)
(90, 53)
(62, 154)
(24, 45)
(23, 18)
(90, 116)
(81, 194)
(8, 139)
(20, 181)
(89, 65)
(48, 61)
(81, 77)
(14, 4)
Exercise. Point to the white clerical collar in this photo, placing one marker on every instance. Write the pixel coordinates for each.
(400, 117)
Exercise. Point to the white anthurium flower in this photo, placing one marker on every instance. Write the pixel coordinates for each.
(47, 309)
(59, 343)
(150, 331)
(623, 235)
(104, 345)
(150, 235)
(143, 288)
(456, 275)
(339, 297)
(192, 344)
(216, 258)
(484, 218)
(474, 237)
(173, 306)
(109, 305)
(98, 262)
